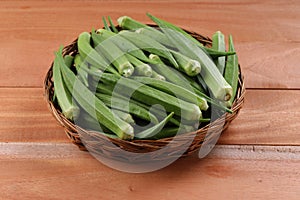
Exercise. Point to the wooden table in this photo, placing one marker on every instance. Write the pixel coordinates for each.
(258, 157)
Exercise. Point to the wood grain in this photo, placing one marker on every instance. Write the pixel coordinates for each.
(60, 171)
(266, 33)
(24, 117)
(269, 117)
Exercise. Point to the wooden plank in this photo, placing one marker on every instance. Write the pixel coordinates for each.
(60, 171)
(24, 116)
(269, 117)
(268, 51)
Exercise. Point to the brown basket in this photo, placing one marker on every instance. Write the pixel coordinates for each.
(101, 145)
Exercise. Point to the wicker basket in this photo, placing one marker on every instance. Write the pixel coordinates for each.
(99, 144)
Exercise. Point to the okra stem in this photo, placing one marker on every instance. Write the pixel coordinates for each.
(112, 25)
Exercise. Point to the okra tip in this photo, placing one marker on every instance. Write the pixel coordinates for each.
(218, 32)
(128, 71)
(147, 71)
(229, 53)
(204, 106)
(72, 113)
(227, 97)
(121, 20)
(159, 77)
(154, 57)
(194, 114)
(128, 132)
(195, 68)
(228, 91)
(139, 30)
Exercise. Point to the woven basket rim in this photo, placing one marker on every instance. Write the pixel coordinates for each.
(136, 145)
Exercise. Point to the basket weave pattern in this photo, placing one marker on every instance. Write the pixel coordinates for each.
(96, 142)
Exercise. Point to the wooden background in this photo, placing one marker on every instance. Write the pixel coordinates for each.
(258, 157)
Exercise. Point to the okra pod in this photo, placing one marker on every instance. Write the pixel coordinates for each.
(150, 132)
(174, 89)
(148, 44)
(167, 25)
(126, 106)
(82, 74)
(210, 74)
(151, 96)
(140, 68)
(232, 71)
(218, 43)
(62, 94)
(189, 66)
(157, 76)
(87, 100)
(128, 23)
(113, 54)
(90, 55)
(153, 112)
(124, 44)
(124, 116)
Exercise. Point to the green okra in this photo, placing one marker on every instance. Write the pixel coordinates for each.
(148, 44)
(62, 94)
(163, 39)
(152, 96)
(82, 74)
(88, 101)
(174, 89)
(124, 116)
(123, 104)
(126, 22)
(150, 132)
(156, 35)
(171, 74)
(212, 101)
(170, 26)
(90, 123)
(151, 116)
(218, 43)
(90, 55)
(157, 76)
(189, 66)
(113, 27)
(105, 24)
(113, 54)
(232, 71)
(125, 45)
(69, 60)
(140, 67)
(210, 74)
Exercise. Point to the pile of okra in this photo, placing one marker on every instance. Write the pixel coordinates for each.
(135, 81)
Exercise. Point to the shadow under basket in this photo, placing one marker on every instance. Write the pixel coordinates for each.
(143, 150)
